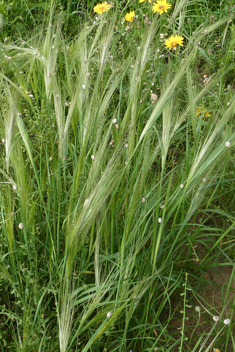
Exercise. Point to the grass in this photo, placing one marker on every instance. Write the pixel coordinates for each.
(114, 205)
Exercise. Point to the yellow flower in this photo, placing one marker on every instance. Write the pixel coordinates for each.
(173, 41)
(202, 111)
(130, 16)
(144, 0)
(100, 8)
(161, 6)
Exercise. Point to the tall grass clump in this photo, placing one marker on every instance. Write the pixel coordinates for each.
(117, 161)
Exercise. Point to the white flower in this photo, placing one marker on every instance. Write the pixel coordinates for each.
(3, 141)
(197, 309)
(21, 226)
(227, 144)
(228, 103)
(83, 86)
(50, 159)
(14, 187)
(143, 200)
(226, 321)
(162, 206)
(92, 157)
(126, 145)
(204, 179)
(181, 186)
(159, 220)
(88, 74)
(114, 120)
(215, 318)
(108, 315)
(162, 35)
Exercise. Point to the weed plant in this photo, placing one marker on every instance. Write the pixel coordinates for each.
(117, 181)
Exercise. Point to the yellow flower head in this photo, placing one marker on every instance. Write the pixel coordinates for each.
(144, 0)
(130, 16)
(202, 111)
(161, 6)
(100, 8)
(173, 41)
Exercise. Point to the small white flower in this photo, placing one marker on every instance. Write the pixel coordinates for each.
(181, 186)
(204, 179)
(159, 220)
(228, 103)
(226, 321)
(215, 318)
(138, 48)
(227, 144)
(134, 297)
(126, 145)
(21, 226)
(162, 35)
(143, 200)
(53, 47)
(92, 157)
(21, 72)
(88, 74)
(197, 309)
(31, 95)
(155, 348)
(3, 141)
(114, 121)
(54, 35)
(108, 315)
(50, 159)
(162, 206)
(14, 187)
(126, 163)
(83, 86)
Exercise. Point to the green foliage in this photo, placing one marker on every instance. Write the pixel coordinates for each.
(117, 188)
